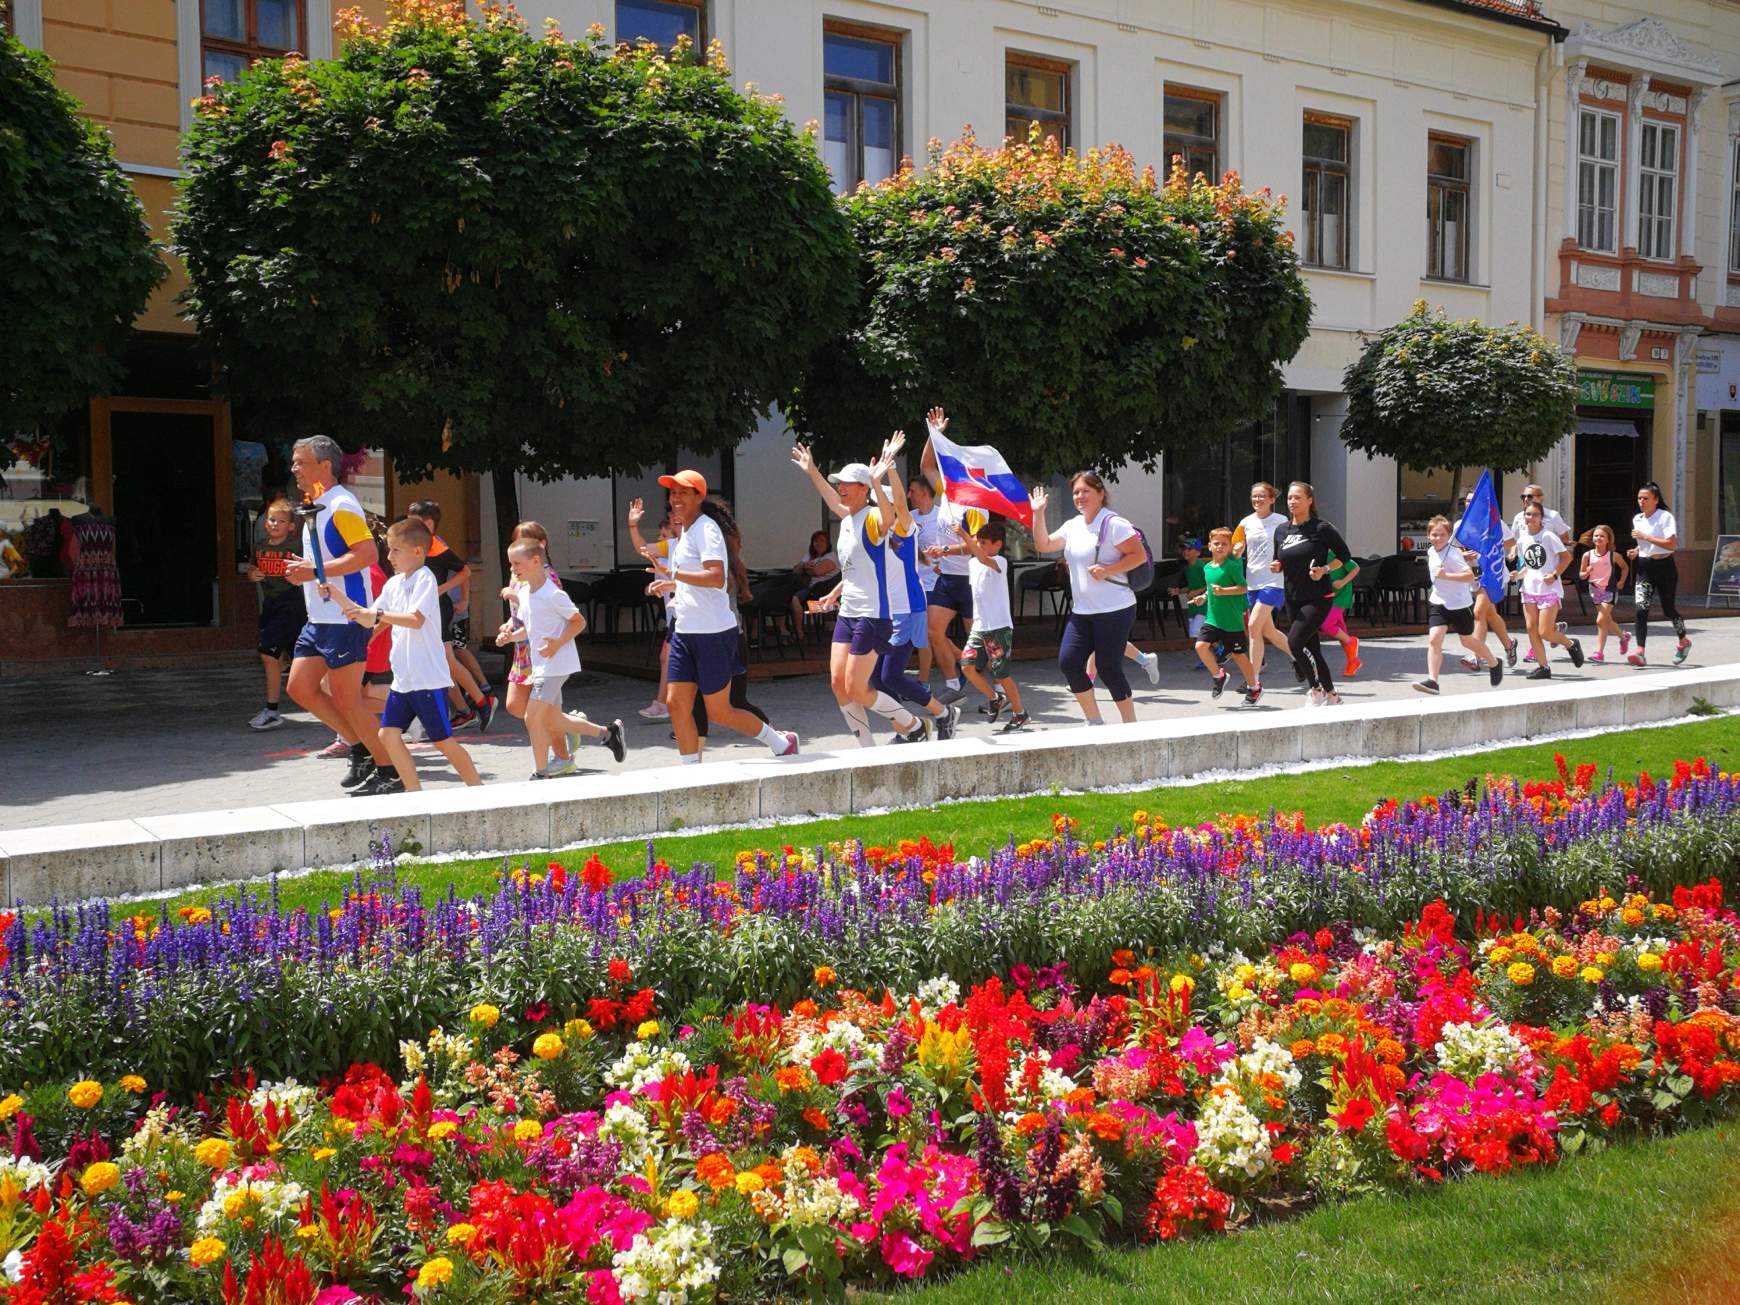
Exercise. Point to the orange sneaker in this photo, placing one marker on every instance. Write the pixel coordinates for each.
(1353, 662)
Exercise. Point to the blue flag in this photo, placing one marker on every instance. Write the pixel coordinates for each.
(1482, 530)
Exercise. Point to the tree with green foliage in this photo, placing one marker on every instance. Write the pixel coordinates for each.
(77, 254)
(1434, 393)
(486, 251)
(1066, 308)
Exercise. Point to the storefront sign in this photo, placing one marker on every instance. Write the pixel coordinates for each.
(1616, 389)
(1725, 570)
(1718, 374)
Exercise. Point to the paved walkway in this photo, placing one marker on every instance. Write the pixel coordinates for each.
(157, 742)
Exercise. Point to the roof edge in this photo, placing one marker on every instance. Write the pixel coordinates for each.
(1545, 26)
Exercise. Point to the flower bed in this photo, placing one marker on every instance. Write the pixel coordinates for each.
(631, 1154)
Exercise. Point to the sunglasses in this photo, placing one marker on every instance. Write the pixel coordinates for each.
(1530, 496)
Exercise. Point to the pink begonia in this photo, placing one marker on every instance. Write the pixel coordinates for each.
(864, 1231)
(593, 1214)
(1205, 1055)
(905, 1256)
(601, 1288)
(899, 1105)
(337, 1294)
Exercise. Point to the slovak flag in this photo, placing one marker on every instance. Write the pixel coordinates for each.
(975, 475)
(1482, 530)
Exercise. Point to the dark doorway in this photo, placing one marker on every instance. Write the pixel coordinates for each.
(1613, 459)
(166, 517)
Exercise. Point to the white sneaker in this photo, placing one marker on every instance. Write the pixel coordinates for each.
(1151, 664)
(1317, 697)
(414, 732)
(656, 711)
(265, 719)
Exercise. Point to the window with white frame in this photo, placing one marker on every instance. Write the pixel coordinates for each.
(1659, 183)
(1598, 180)
(1448, 201)
(1328, 165)
(1734, 214)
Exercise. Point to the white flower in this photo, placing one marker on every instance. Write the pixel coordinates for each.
(934, 994)
(268, 1201)
(13, 1265)
(842, 1036)
(289, 1094)
(627, 1127)
(642, 1063)
(25, 1173)
(1467, 1051)
(669, 1263)
(1231, 1142)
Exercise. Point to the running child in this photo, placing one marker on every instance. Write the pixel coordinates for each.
(1223, 616)
(1451, 607)
(1598, 571)
(452, 579)
(1254, 545)
(1486, 614)
(282, 611)
(519, 676)
(547, 622)
(410, 607)
(908, 612)
(1542, 556)
(1341, 579)
(992, 639)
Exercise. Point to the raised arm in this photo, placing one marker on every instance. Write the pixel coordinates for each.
(1042, 540)
(806, 463)
(891, 503)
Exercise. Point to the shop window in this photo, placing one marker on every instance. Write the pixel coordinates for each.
(234, 33)
(861, 89)
(1734, 214)
(1598, 180)
(1208, 485)
(1659, 182)
(1328, 155)
(662, 21)
(1730, 470)
(1448, 206)
(1036, 91)
(1422, 495)
(1191, 128)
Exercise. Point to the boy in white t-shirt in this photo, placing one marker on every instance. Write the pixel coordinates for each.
(547, 622)
(409, 604)
(1451, 607)
(992, 639)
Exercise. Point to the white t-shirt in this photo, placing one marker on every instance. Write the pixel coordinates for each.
(864, 565)
(1552, 523)
(1259, 537)
(545, 612)
(930, 534)
(699, 609)
(1659, 523)
(341, 527)
(417, 657)
(1539, 556)
(948, 516)
(1452, 595)
(1083, 547)
(990, 584)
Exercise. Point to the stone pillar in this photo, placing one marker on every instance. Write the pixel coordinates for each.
(1574, 82)
(1633, 159)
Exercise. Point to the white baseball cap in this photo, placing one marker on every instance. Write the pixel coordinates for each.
(853, 473)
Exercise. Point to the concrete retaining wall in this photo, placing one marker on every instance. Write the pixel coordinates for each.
(167, 852)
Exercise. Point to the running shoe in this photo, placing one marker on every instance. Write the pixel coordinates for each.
(1016, 722)
(463, 719)
(1469, 664)
(1598, 657)
(994, 708)
(1624, 643)
(1425, 686)
(1636, 658)
(945, 723)
(791, 744)
(560, 766)
(1529, 656)
(656, 711)
(1151, 664)
(1496, 672)
(379, 784)
(949, 695)
(1316, 697)
(1539, 673)
(1331, 699)
(1353, 661)
(486, 712)
(1682, 652)
(1510, 654)
(1577, 653)
(1219, 685)
(361, 767)
(1253, 692)
(337, 748)
(268, 719)
(917, 734)
(615, 742)
(576, 740)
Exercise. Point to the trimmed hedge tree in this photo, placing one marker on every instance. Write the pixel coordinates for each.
(1068, 309)
(77, 253)
(1434, 393)
(486, 251)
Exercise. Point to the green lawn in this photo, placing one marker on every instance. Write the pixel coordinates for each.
(1323, 795)
(1648, 1221)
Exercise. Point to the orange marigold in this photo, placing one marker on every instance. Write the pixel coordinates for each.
(1031, 1122)
(792, 1078)
(715, 1170)
(1302, 1048)
(1108, 1128)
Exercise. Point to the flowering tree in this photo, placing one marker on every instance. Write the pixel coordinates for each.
(78, 258)
(487, 251)
(1069, 309)
(1433, 393)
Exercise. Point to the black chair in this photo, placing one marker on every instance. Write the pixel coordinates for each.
(1157, 599)
(768, 606)
(1365, 590)
(1392, 586)
(625, 591)
(1418, 584)
(1046, 579)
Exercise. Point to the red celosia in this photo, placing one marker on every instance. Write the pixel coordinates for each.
(1185, 1200)
(274, 1278)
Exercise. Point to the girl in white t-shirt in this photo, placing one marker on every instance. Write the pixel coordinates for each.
(1604, 571)
(1541, 556)
(1100, 548)
(1254, 542)
(1656, 535)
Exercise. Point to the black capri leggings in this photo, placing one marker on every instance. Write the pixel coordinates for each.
(739, 691)
(1658, 580)
(1103, 635)
(1304, 643)
(889, 675)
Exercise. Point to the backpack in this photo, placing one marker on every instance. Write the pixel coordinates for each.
(1140, 577)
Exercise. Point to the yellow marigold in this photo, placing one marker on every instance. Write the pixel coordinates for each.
(441, 1130)
(824, 975)
(528, 1130)
(647, 1029)
(1564, 966)
(1603, 958)
(308, 1232)
(1500, 954)
(1300, 972)
(1182, 983)
(205, 1251)
(133, 1083)
(1521, 973)
(435, 1272)
(323, 1153)
(682, 1204)
(1663, 911)
(100, 1177)
(344, 1127)
(213, 1153)
(10, 1105)
(1607, 903)
(485, 1014)
(174, 1195)
(577, 1029)
(1245, 973)
(548, 1046)
(1525, 943)
(1648, 962)
(461, 1234)
(749, 1182)
(1632, 916)
(1593, 974)
(85, 1093)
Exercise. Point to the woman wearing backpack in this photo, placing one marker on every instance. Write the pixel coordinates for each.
(1101, 550)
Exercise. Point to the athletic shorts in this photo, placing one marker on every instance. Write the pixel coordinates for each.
(547, 688)
(988, 651)
(426, 705)
(1196, 624)
(1544, 600)
(954, 591)
(1229, 641)
(707, 661)
(1599, 596)
(458, 633)
(281, 622)
(377, 677)
(1336, 621)
(336, 645)
(1459, 620)
(1276, 597)
(865, 634)
(912, 629)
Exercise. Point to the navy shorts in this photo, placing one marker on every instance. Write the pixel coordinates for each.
(426, 705)
(954, 591)
(281, 622)
(865, 634)
(708, 661)
(336, 645)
